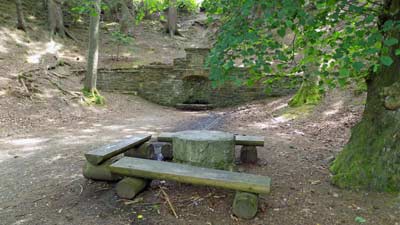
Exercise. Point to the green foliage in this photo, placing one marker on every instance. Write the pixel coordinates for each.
(82, 7)
(187, 5)
(148, 7)
(93, 97)
(120, 39)
(309, 94)
(359, 219)
(342, 38)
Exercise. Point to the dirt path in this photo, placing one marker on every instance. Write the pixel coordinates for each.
(41, 181)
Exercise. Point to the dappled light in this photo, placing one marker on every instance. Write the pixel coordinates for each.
(199, 112)
(38, 50)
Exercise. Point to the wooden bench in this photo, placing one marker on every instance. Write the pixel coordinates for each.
(150, 169)
(99, 155)
(239, 139)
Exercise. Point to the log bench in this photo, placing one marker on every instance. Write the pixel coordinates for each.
(151, 169)
(248, 152)
(105, 163)
(103, 153)
(98, 160)
(248, 186)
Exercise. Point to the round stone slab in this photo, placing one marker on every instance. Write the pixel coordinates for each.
(211, 149)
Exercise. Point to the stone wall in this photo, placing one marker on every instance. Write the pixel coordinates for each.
(186, 81)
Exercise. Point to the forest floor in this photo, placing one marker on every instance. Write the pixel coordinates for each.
(45, 130)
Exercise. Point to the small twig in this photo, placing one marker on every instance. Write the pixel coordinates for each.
(36, 200)
(80, 192)
(169, 202)
(21, 80)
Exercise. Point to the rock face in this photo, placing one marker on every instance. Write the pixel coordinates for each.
(211, 149)
(187, 81)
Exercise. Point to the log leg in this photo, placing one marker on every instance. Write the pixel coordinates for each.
(129, 187)
(248, 154)
(245, 205)
(100, 172)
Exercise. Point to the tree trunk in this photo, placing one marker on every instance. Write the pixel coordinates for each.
(371, 159)
(20, 16)
(309, 93)
(172, 18)
(93, 53)
(127, 20)
(55, 18)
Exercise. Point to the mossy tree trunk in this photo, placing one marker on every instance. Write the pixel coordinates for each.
(93, 52)
(371, 159)
(309, 92)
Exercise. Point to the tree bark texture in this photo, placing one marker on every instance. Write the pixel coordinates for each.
(93, 52)
(55, 18)
(371, 159)
(20, 16)
(172, 18)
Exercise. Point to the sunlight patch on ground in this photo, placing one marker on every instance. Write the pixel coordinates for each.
(3, 92)
(21, 147)
(334, 109)
(38, 50)
(89, 130)
(27, 141)
(114, 127)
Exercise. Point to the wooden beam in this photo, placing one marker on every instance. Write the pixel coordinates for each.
(249, 140)
(190, 174)
(103, 153)
(239, 139)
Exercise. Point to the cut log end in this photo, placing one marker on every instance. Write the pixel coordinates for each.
(245, 205)
(100, 172)
(129, 187)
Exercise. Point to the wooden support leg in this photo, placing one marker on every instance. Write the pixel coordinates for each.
(129, 187)
(248, 154)
(245, 205)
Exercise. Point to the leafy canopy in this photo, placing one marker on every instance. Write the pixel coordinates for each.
(342, 39)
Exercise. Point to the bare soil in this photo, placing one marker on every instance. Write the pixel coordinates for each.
(44, 132)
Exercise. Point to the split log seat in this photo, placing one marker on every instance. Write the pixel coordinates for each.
(99, 155)
(150, 169)
(98, 160)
